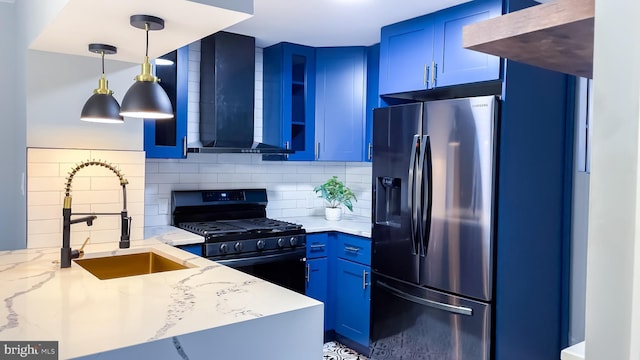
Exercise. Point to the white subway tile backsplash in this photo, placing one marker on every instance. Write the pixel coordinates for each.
(93, 189)
(45, 226)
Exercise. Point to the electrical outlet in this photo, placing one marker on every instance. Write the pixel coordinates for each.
(163, 206)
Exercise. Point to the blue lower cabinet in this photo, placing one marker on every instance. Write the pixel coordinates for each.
(353, 294)
(317, 281)
(192, 248)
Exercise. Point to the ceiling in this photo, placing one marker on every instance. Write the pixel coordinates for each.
(73, 24)
(330, 22)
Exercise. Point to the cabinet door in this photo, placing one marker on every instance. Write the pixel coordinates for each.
(168, 138)
(454, 64)
(406, 53)
(289, 99)
(373, 100)
(340, 100)
(353, 282)
(317, 282)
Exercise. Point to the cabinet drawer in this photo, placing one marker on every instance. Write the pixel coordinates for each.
(317, 245)
(354, 248)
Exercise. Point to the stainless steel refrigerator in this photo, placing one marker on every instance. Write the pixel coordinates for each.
(432, 236)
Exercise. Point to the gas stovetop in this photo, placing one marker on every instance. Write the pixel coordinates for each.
(234, 222)
(220, 230)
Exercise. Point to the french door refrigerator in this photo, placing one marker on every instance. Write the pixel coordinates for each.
(432, 236)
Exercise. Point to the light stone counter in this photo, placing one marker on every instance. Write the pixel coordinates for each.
(205, 311)
(350, 224)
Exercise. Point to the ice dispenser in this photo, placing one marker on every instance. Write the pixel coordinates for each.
(388, 201)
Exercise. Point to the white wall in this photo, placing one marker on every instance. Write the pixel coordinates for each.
(613, 266)
(58, 86)
(12, 200)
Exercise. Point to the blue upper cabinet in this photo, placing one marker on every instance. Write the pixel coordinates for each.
(289, 98)
(426, 52)
(340, 103)
(168, 138)
(454, 64)
(373, 100)
(406, 53)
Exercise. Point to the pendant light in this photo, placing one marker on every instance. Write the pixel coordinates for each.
(146, 99)
(101, 106)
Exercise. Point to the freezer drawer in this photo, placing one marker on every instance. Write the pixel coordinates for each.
(409, 322)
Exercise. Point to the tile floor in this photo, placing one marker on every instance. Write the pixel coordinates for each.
(333, 350)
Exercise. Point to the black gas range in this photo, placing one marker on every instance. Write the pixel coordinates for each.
(237, 233)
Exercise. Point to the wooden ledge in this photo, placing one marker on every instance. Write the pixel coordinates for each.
(557, 35)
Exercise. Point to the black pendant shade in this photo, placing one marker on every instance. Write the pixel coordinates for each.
(146, 99)
(102, 106)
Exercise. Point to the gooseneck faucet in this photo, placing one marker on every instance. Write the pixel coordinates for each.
(66, 253)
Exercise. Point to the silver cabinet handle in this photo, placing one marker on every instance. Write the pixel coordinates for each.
(434, 74)
(364, 279)
(307, 275)
(352, 249)
(184, 146)
(425, 74)
(317, 150)
(286, 146)
(370, 151)
(317, 246)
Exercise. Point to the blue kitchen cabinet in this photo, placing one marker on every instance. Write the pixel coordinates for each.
(352, 289)
(340, 103)
(426, 52)
(317, 274)
(289, 99)
(406, 53)
(454, 64)
(192, 248)
(373, 100)
(167, 138)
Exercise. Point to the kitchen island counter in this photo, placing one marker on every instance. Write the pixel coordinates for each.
(207, 310)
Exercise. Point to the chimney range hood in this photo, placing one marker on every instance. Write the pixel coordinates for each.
(227, 82)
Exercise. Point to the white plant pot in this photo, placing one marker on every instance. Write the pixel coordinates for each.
(333, 214)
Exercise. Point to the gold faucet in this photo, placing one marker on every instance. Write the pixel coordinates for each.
(66, 254)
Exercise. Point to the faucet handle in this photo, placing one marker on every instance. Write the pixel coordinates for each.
(81, 250)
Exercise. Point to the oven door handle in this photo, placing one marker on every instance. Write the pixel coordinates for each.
(263, 259)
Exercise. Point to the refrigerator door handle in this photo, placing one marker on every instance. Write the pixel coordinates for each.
(411, 192)
(419, 198)
(426, 214)
(426, 302)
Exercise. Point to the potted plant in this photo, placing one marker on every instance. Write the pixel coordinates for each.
(336, 193)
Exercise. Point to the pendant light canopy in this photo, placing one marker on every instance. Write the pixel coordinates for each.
(146, 99)
(101, 106)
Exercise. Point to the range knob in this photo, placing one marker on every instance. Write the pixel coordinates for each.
(238, 246)
(260, 244)
(224, 248)
(293, 241)
(280, 242)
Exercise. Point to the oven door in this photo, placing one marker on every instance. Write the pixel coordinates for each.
(282, 268)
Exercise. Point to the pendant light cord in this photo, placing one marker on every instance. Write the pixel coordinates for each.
(102, 53)
(146, 29)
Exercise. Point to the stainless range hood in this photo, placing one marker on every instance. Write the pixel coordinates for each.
(227, 90)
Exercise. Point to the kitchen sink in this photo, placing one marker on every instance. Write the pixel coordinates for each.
(118, 266)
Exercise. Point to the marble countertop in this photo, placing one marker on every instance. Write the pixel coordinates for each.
(574, 352)
(87, 316)
(350, 224)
